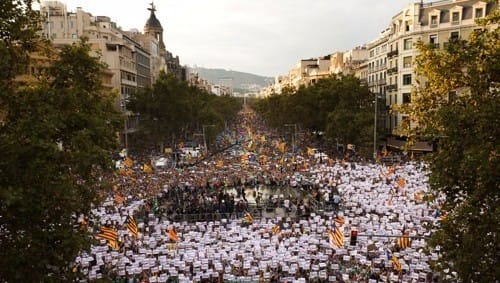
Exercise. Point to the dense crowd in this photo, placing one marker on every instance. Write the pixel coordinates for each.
(380, 202)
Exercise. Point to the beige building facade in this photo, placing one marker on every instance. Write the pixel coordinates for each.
(392, 54)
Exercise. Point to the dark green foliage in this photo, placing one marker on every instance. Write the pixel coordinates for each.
(465, 168)
(340, 106)
(57, 138)
(173, 111)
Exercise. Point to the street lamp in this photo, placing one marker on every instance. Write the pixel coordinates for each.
(375, 126)
(204, 138)
(294, 137)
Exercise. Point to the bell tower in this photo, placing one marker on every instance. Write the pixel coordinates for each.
(153, 27)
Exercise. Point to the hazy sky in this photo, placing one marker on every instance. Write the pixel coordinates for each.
(264, 37)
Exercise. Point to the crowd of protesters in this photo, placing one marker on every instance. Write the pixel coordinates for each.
(378, 201)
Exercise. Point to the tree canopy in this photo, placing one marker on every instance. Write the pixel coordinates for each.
(456, 105)
(340, 106)
(58, 132)
(172, 111)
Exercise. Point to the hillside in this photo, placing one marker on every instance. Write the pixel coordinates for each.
(240, 81)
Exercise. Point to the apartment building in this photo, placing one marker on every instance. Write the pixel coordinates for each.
(392, 54)
(353, 58)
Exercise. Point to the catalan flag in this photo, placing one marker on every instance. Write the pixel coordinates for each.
(403, 242)
(401, 182)
(147, 168)
(172, 233)
(248, 218)
(276, 229)
(220, 163)
(339, 220)
(310, 151)
(282, 146)
(131, 225)
(128, 162)
(395, 263)
(336, 237)
(109, 234)
(119, 198)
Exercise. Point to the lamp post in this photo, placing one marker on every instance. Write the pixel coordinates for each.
(204, 138)
(375, 128)
(294, 137)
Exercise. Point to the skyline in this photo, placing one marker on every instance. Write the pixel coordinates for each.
(225, 33)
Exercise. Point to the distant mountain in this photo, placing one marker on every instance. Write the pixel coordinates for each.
(241, 82)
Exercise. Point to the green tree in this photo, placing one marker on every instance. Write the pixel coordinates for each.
(340, 106)
(457, 104)
(172, 110)
(19, 25)
(58, 136)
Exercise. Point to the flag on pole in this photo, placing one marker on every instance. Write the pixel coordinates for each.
(131, 225)
(111, 235)
(336, 237)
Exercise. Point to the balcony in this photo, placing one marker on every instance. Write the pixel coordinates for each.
(392, 53)
(392, 87)
(392, 70)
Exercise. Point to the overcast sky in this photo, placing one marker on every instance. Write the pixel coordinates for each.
(264, 37)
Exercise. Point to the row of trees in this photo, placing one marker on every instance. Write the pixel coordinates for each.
(57, 131)
(457, 104)
(172, 111)
(340, 106)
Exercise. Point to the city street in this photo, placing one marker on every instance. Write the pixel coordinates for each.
(292, 200)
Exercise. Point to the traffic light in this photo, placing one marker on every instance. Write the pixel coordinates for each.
(354, 237)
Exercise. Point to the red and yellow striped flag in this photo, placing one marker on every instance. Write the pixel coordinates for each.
(336, 237)
(172, 233)
(131, 225)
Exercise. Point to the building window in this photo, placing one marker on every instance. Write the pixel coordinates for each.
(408, 44)
(478, 12)
(406, 97)
(71, 24)
(433, 40)
(409, 25)
(455, 18)
(407, 79)
(434, 21)
(454, 35)
(407, 62)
